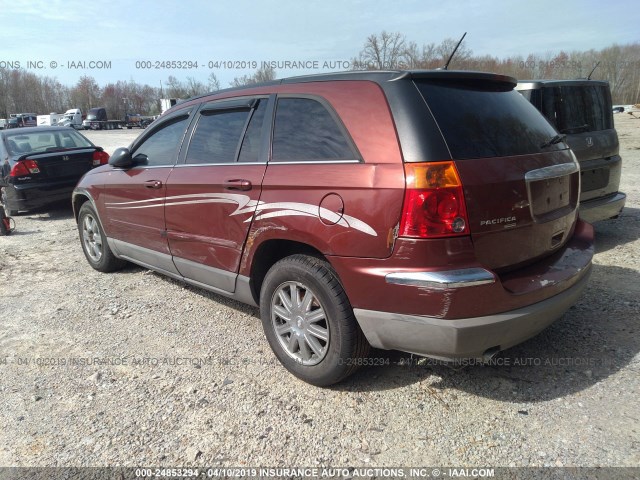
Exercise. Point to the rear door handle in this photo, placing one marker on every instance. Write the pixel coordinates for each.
(153, 184)
(237, 184)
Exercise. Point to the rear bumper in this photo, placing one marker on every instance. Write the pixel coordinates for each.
(602, 208)
(460, 309)
(465, 337)
(30, 196)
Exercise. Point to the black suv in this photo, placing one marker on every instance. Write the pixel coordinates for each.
(582, 110)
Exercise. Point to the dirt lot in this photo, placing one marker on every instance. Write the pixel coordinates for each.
(133, 369)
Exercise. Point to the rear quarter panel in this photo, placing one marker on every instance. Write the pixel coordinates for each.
(371, 191)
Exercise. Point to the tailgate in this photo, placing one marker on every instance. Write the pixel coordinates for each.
(520, 208)
(65, 164)
(521, 183)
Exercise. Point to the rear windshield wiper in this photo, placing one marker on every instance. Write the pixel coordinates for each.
(553, 140)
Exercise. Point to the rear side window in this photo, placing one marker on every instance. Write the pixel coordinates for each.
(483, 120)
(304, 130)
(578, 108)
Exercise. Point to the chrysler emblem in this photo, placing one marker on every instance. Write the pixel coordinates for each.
(589, 142)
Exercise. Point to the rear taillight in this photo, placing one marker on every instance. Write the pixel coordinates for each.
(24, 167)
(100, 158)
(433, 201)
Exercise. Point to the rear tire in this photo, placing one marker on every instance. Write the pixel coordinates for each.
(5, 203)
(94, 241)
(309, 322)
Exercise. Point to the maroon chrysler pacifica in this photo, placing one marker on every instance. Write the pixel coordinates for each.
(433, 212)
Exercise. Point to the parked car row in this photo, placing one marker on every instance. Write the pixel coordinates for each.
(96, 119)
(71, 118)
(433, 212)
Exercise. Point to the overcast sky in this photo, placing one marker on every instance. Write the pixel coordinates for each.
(61, 34)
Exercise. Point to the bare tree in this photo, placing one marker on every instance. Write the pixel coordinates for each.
(86, 94)
(261, 75)
(424, 57)
(264, 74)
(195, 87)
(446, 48)
(175, 88)
(112, 99)
(214, 83)
(383, 51)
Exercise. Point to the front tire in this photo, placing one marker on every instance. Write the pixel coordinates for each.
(94, 241)
(309, 322)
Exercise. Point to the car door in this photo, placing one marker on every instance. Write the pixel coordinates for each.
(134, 197)
(213, 192)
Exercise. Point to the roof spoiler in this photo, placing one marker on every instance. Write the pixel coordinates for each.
(457, 75)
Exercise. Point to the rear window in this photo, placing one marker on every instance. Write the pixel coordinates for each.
(19, 143)
(578, 108)
(480, 120)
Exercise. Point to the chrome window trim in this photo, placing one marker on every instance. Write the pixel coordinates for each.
(300, 162)
(311, 162)
(143, 167)
(465, 277)
(182, 165)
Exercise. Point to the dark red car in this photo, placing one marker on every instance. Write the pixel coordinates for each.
(433, 212)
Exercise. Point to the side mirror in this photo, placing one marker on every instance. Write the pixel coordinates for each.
(121, 158)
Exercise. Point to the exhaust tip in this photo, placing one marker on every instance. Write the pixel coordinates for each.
(490, 353)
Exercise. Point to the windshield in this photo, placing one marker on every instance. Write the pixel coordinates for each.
(39, 142)
(481, 119)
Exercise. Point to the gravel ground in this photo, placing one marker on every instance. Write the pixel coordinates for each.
(133, 368)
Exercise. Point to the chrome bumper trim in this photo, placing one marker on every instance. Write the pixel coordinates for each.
(466, 277)
(465, 337)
